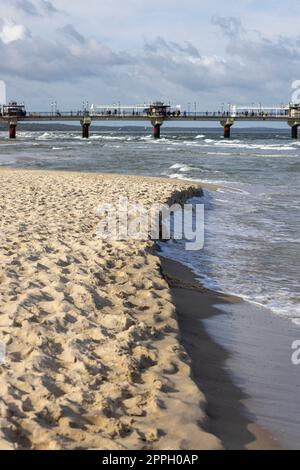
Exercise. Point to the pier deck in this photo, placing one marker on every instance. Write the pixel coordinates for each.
(157, 114)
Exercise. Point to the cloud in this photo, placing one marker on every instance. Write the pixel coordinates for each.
(171, 48)
(11, 32)
(254, 68)
(259, 56)
(230, 25)
(48, 7)
(70, 31)
(71, 58)
(36, 8)
(27, 7)
(181, 64)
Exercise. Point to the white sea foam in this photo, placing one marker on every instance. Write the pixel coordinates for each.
(175, 166)
(280, 305)
(216, 152)
(9, 162)
(48, 136)
(181, 167)
(249, 146)
(176, 176)
(107, 137)
(186, 168)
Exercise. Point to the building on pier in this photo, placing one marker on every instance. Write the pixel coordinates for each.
(258, 111)
(13, 109)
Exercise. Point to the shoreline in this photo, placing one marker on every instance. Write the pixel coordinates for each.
(252, 403)
(198, 186)
(227, 414)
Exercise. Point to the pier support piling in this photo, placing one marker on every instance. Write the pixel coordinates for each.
(12, 130)
(157, 123)
(294, 128)
(227, 131)
(85, 131)
(85, 125)
(294, 132)
(227, 123)
(156, 131)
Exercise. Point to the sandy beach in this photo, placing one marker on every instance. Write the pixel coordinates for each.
(93, 357)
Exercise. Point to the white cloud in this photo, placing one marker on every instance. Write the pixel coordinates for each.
(11, 31)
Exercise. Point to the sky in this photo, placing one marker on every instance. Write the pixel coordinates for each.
(208, 52)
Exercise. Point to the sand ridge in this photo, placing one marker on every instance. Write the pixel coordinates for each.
(93, 356)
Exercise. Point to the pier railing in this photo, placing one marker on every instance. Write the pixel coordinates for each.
(181, 115)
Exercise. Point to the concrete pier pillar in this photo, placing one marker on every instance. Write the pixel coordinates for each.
(294, 124)
(227, 131)
(85, 124)
(156, 131)
(227, 123)
(294, 132)
(12, 131)
(85, 131)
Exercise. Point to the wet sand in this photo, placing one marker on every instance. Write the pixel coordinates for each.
(241, 359)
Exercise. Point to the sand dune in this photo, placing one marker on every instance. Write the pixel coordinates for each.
(93, 356)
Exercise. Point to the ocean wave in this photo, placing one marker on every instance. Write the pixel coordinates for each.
(47, 136)
(176, 176)
(249, 146)
(107, 137)
(9, 162)
(182, 168)
(175, 166)
(281, 305)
